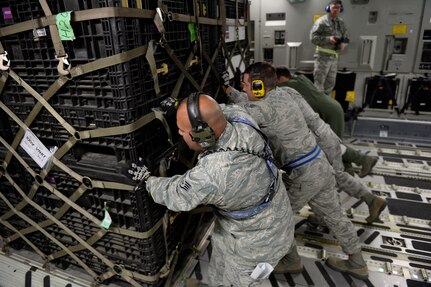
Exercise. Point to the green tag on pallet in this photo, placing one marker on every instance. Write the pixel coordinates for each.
(63, 25)
(193, 33)
(107, 220)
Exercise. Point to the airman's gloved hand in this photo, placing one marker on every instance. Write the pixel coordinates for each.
(225, 79)
(169, 106)
(140, 174)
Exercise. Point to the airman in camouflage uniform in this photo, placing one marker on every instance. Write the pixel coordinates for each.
(232, 176)
(329, 34)
(292, 132)
(332, 113)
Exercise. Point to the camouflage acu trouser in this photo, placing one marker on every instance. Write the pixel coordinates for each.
(316, 186)
(224, 271)
(345, 182)
(325, 72)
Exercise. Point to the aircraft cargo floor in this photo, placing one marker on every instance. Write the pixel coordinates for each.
(397, 249)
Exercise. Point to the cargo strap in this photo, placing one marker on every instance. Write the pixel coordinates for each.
(327, 51)
(152, 63)
(99, 13)
(62, 80)
(212, 68)
(165, 45)
(86, 183)
(238, 41)
(85, 134)
(46, 213)
(11, 227)
(85, 244)
(302, 160)
(228, 55)
(60, 53)
(199, 41)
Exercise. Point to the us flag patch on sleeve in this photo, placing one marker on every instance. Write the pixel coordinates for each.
(185, 185)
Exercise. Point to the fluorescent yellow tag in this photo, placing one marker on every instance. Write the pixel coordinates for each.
(317, 16)
(350, 96)
(390, 102)
(333, 94)
(399, 29)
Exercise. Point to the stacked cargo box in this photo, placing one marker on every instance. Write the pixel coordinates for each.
(69, 197)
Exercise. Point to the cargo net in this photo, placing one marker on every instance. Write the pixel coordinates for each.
(76, 114)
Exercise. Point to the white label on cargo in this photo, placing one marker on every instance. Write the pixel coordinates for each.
(383, 133)
(35, 148)
(39, 32)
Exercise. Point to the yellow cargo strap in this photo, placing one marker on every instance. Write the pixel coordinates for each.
(327, 51)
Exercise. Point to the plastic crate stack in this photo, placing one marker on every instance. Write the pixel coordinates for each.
(58, 209)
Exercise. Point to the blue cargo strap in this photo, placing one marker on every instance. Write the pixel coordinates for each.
(306, 158)
(272, 188)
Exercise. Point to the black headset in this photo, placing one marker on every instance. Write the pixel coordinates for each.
(201, 132)
(328, 7)
(257, 86)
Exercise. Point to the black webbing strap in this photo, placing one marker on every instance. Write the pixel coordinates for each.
(152, 63)
(31, 222)
(77, 136)
(74, 72)
(105, 260)
(89, 134)
(180, 79)
(11, 227)
(228, 55)
(180, 65)
(211, 67)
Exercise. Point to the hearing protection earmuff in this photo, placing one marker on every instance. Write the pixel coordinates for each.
(328, 8)
(257, 86)
(201, 132)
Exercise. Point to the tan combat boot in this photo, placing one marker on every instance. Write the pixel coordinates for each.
(354, 266)
(368, 162)
(365, 161)
(315, 222)
(376, 207)
(290, 263)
